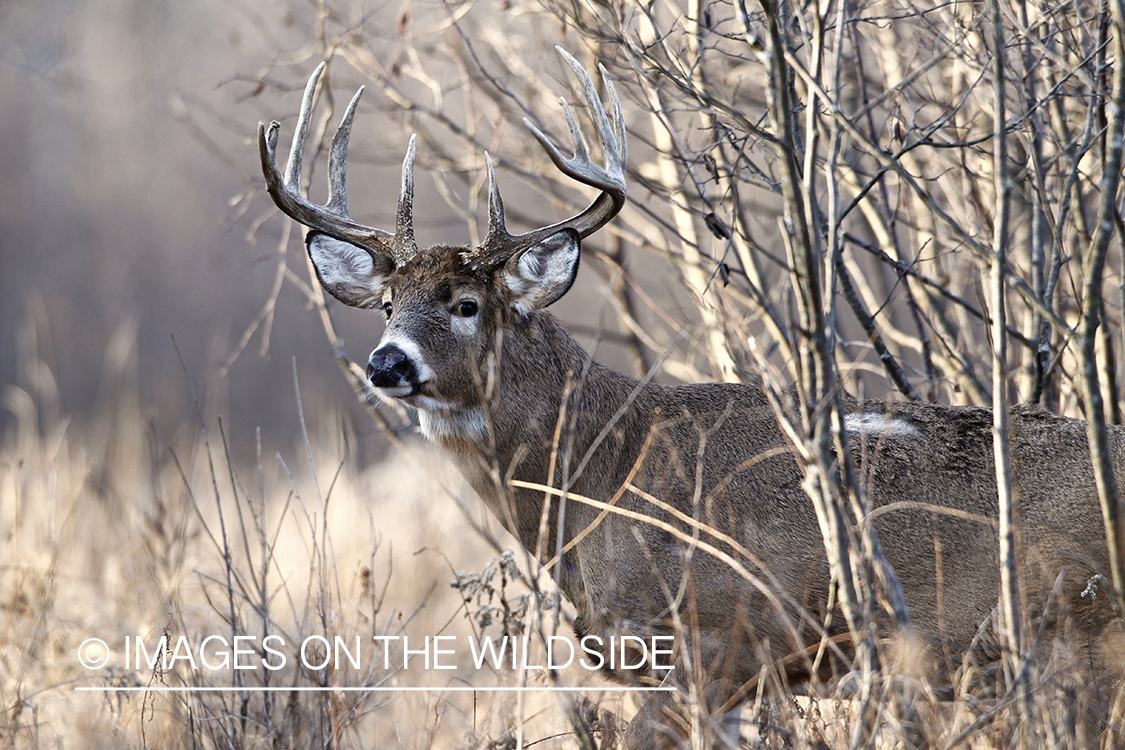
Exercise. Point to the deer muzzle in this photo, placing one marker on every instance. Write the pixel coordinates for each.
(390, 369)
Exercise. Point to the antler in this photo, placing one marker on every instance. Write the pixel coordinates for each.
(498, 245)
(332, 218)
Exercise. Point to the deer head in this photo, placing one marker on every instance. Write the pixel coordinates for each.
(445, 304)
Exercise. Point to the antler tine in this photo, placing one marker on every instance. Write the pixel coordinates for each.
(338, 160)
(496, 226)
(297, 149)
(498, 245)
(403, 248)
(331, 218)
(576, 137)
(618, 121)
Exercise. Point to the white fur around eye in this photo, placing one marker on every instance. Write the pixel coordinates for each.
(461, 325)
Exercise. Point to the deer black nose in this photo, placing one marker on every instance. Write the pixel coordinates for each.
(389, 367)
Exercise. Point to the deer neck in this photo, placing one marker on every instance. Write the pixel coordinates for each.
(517, 434)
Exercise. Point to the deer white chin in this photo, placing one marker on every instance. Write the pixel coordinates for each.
(394, 391)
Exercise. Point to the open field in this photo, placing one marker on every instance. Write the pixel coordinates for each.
(112, 532)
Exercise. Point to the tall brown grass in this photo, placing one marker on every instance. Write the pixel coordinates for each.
(112, 531)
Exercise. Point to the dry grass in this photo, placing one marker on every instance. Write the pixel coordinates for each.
(111, 532)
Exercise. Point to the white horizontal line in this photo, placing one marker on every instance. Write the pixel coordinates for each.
(351, 689)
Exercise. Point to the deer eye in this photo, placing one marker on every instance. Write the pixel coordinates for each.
(388, 308)
(467, 308)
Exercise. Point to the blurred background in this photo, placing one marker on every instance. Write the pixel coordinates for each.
(130, 183)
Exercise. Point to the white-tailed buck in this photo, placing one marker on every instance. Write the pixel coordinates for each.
(510, 396)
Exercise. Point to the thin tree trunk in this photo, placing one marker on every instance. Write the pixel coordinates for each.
(1011, 625)
(1093, 270)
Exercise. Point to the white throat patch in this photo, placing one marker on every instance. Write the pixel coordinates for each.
(438, 420)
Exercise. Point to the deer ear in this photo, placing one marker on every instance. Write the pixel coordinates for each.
(349, 273)
(544, 272)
